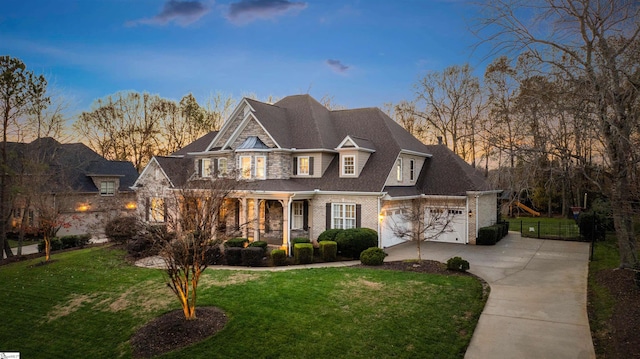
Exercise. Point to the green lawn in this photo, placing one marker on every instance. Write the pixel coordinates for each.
(14, 243)
(88, 303)
(545, 227)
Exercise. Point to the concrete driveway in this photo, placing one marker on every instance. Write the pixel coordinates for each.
(538, 302)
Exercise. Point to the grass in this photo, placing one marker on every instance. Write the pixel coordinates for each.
(14, 243)
(89, 302)
(545, 227)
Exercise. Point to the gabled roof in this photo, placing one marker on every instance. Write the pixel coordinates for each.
(198, 145)
(178, 169)
(72, 164)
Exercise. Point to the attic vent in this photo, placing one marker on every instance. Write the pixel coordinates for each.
(252, 143)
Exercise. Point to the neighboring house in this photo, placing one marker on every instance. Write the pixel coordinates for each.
(305, 169)
(71, 183)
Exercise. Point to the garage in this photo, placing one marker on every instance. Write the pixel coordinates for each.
(436, 218)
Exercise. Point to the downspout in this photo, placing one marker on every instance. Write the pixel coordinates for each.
(467, 220)
(477, 217)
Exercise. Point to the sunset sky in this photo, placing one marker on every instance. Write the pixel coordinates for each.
(363, 53)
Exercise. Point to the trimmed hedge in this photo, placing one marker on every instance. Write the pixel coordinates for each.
(457, 264)
(300, 240)
(329, 235)
(488, 236)
(75, 241)
(373, 256)
(260, 244)
(54, 242)
(351, 242)
(279, 257)
(236, 242)
(303, 253)
(233, 255)
(328, 250)
(252, 256)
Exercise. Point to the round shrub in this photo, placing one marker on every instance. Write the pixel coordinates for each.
(351, 242)
(457, 264)
(373, 256)
(328, 250)
(329, 235)
(279, 257)
(121, 229)
(260, 244)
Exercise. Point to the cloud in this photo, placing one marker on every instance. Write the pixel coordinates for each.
(246, 11)
(182, 12)
(337, 66)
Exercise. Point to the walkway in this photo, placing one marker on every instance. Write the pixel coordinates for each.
(538, 302)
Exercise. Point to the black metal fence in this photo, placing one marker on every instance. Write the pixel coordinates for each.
(548, 230)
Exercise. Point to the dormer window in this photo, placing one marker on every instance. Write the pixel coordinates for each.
(107, 188)
(303, 166)
(399, 169)
(348, 165)
(412, 170)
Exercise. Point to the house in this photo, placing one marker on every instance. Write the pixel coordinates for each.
(69, 184)
(305, 169)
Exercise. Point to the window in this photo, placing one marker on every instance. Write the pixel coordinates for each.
(222, 167)
(412, 170)
(303, 165)
(245, 167)
(348, 165)
(298, 215)
(107, 188)
(156, 209)
(344, 216)
(205, 171)
(261, 168)
(399, 170)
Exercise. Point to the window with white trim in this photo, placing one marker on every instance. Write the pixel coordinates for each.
(348, 165)
(222, 167)
(399, 169)
(303, 165)
(412, 170)
(298, 215)
(245, 167)
(205, 170)
(343, 215)
(107, 188)
(261, 167)
(156, 210)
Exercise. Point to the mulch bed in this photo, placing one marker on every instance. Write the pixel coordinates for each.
(621, 339)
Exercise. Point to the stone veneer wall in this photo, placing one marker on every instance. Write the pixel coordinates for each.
(317, 207)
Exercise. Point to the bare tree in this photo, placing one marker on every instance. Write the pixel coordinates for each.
(193, 214)
(422, 220)
(594, 43)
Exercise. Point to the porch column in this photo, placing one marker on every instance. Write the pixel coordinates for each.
(286, 229)
(244, 214)
(256, 219)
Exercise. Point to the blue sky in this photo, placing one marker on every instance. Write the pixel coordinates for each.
(363, 53)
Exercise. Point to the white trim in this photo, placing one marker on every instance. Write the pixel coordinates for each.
(264, 168)
(342, 166)
(153, 159)
(227, 123)
(355, 145)
(242, 170)
(399, 168)
(415, 153)
(298, 172)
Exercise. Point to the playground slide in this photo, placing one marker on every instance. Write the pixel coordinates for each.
(532, 212)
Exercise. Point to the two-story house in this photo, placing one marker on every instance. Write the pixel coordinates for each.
(305, 169)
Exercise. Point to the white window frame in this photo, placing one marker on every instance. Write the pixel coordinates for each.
(300, 167)
(260, 169)
(156, 210)
(297, 214)
(352, 166)
(205, 169)
(245, 168)
(223, 166)
(106, 190)
(399, 169)
(343, 215)
(412, 170)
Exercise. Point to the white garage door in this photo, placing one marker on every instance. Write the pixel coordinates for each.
(454, 233)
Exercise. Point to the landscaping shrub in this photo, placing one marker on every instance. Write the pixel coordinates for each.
(300, 240)
(122, 229)
(303, 253)
(141, 246)
(328, 250)
(74, 241)
(252, 256)
(236, 242)
(457, 264)
(260, 244)
(487, 236)
(55, 242)
(592, 226)
(279, 257)
(351, 242)
(329, 235)
(233, 255)
(373, 256)
(213, 255)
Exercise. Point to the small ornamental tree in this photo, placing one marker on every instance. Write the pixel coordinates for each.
(422, 221)
(193, 220)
